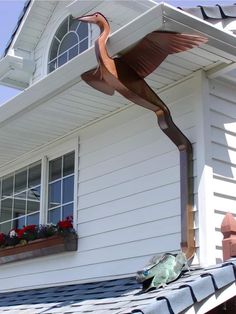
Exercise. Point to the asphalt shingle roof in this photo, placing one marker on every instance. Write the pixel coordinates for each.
(216, 12)
(121, 296)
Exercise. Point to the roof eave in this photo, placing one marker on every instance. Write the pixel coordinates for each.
(14, 66)
(161, 16)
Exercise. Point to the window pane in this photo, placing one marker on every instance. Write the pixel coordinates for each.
(83, 45)
(54, 49)
(34, 194)
(73, 24)
(63, 29)
(5, 227)
(54, 215)
(21, 181)
(6, 209)
(52, 66)
(82, 30)
(32, 206)
(73, 52)
(67, 211)
(19, 223)
(7, 186)
(68, 164)
(70, 40)
(54, 195)
(55, 169)
(19, 205)
(68, 190)
(32, 219)
(34, 175)
(62, 59)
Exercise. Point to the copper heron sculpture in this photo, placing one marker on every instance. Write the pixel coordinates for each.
(125, 74)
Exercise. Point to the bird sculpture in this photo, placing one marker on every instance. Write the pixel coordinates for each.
(125, 74)
(162, 270)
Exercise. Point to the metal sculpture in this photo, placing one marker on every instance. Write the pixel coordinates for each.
(125, 74)
(162, 270)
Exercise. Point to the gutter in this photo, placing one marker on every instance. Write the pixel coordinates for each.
(11, 63)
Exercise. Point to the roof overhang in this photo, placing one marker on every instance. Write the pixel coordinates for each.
(16, 71)
(67, 103)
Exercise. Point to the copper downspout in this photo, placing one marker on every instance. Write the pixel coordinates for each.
(141, 94)
(126, 75)
(186, 179)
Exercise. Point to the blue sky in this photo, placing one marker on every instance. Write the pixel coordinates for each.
(9, 12)
(11, 9)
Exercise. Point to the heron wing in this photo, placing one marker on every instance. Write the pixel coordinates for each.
(94, 79)
(152, 50)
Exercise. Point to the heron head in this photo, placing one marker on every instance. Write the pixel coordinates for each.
(95, 18)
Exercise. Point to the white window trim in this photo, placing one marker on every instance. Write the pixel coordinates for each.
(45, 58)
(44, 155)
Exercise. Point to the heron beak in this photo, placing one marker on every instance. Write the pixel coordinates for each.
(85, 18)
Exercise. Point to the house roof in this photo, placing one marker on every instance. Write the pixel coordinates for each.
(194, 290)
(61, 103)
(210, 13)
(20, 18)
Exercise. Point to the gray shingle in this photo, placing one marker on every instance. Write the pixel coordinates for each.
(121, 296)
(216, 12)
(201, 288)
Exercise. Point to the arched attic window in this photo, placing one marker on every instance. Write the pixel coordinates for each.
(71, 38)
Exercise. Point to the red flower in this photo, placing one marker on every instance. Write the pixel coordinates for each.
(66, 224)
(2, 238)
(26, 229)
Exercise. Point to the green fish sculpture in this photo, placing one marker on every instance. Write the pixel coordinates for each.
(161, 270)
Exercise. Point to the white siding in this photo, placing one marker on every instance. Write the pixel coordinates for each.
(128, 198)
(42, 49)
(223, 138)
(119, 14)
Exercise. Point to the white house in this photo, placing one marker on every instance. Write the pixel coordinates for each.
(66, 149)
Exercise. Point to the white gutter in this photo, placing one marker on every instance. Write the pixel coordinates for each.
(11, 63)
(161, 16)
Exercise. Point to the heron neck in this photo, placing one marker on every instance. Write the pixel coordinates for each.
(102, 54)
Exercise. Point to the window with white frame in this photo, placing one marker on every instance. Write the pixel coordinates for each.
(61, 187)
(21, 198)
(71, 39)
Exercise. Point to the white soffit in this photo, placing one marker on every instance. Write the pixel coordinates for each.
(60, 103)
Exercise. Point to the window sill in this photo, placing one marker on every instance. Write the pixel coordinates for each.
(41, 247)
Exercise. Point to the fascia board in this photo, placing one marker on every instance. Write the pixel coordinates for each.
(43, 90)
(11, 63)
(69, 74)
(4, 67)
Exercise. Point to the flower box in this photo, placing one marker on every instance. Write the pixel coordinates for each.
(40, 247)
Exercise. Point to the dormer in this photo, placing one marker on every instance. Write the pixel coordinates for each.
(47, 36)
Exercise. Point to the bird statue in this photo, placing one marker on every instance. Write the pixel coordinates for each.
(161, 270)
(125, 74)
